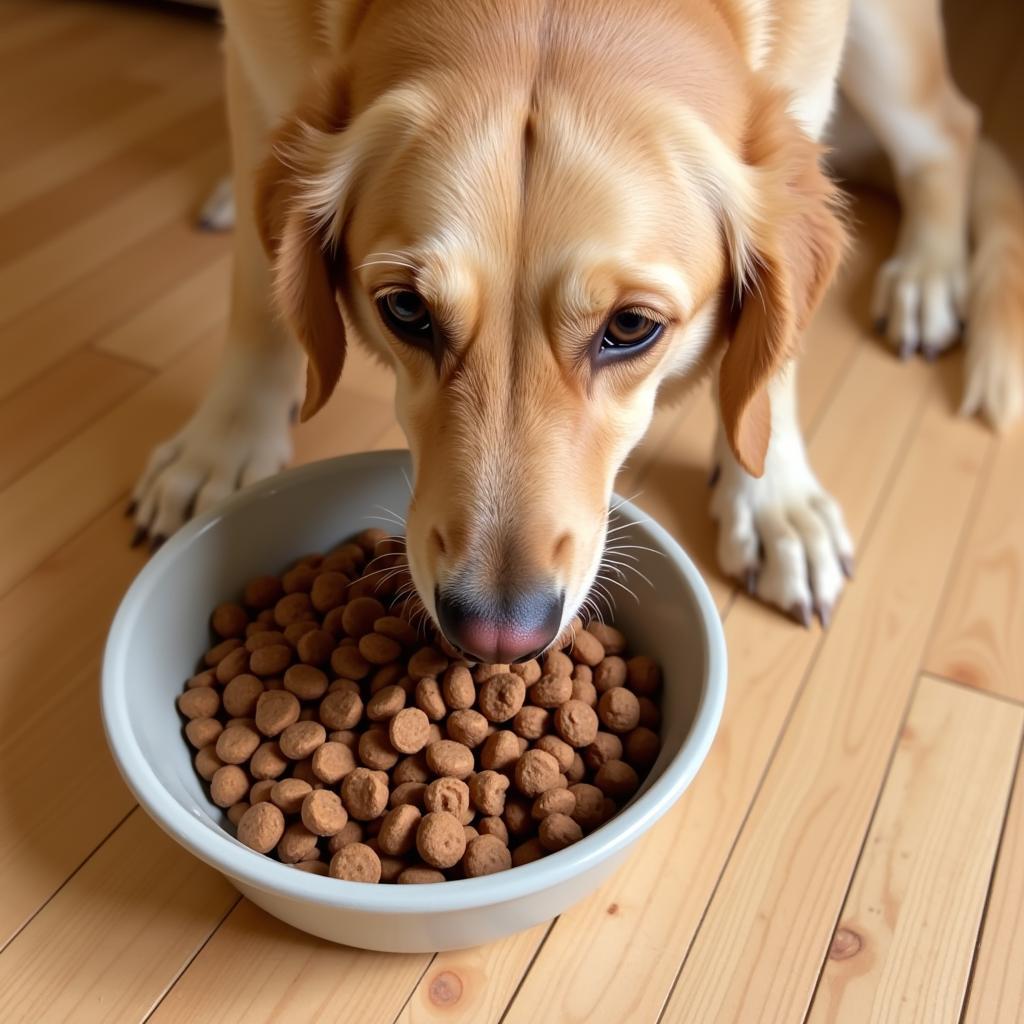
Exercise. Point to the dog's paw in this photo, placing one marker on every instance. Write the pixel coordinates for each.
(217, 452)
(994, 379)
(218, 212)
(783, 537)
(919, 301)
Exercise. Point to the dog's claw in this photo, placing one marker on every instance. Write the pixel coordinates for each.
(930, 354)
(846, 563)
(138, 536)
(906, 351)
(801, 613)
(824, 614)
(156, 543)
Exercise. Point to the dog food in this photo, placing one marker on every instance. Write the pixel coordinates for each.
(342, 742)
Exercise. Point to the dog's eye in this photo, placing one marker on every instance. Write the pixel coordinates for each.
(628, 330)
(407, 315)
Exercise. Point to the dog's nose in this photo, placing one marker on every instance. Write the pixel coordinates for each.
(510, 627)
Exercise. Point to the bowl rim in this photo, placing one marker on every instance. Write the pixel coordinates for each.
(223, 852)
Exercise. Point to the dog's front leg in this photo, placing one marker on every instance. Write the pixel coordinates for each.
(781, 534)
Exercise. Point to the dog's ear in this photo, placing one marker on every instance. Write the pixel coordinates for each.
(792, 239)
(293, 230)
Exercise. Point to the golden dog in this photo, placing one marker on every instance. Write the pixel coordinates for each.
(539, 213)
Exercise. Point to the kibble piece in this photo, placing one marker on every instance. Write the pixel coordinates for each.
(348, 663)
(536, 772)
(341, 709)
(232, 664)
(351, 832)
(448, 794)
(385, 703)
(517, 817)
(301, 739)
(241, 695)
(360, 614)
(589, 800)
(577, 770)
(643, 676)
(408, 730)
(468, 727)
(611, 639)
(526, 853)
(430, 700)
(229, 620)
(610, 673)
(531, 722)
(619, 710)
(270, 661)
(641, 747)
(458, 688)
(606, 747)
(297, 630)
(235, 811)
(486, 855)
(501, 696)
(550, 691)
(323, 812)
(262, 592)
(556, 663)
(205, 678)
(586, 648)
(261, 827)
(216, 654)
(236, 744)
(408, 793)
(528, 671)
(265, 638)
(650, 715)
(310, 867)
(420, 875)
(446, 757)
(260, 791)
(292, 608)
(397, 835)
(203, 731)
(396, 628)
(487, 791)
(378, 649)
(327, 590)
(288, 794)
(315, 647)
(228, 785)
(411, 769)
(332, 761)
(299, 578)
(390, 675)
(554, 801)
(492, 825)
(427, 661)
(484, 672)
(306, 682)
(558, 749)
(617, 779)
(440, 839)
(267, 761)
(585, 691)
(304, 770)
(500, 751)
(364, 794)
(375, 750)
(557, 831)
(356, 862)
(576, 723)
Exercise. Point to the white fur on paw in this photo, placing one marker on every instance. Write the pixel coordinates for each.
(994, 385)
(919, 298)
(783, 537)
(218, 212)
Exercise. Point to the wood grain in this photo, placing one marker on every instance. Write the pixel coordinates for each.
(903, 946)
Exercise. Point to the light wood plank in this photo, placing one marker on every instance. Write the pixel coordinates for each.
(614, 957)
(39, 417)
(997, 986)
(115, 934)
(903, 947)
(257, 969)
(766, 931)
(978, 639)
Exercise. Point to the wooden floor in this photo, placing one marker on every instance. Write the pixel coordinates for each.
(853, 849)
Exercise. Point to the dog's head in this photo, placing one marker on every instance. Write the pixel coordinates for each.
(539, 223)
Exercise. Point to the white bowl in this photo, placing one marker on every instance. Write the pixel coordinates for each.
(162, 626)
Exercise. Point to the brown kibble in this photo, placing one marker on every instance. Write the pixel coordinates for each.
(267, 762)
(609, 637)
(204, 678)
(356, 862)
(650, 714)
(586, 648)
(315, 647)
(203, 731)
(229, 620)
(468, 727)
(448, 794)
(391, 675)
(471, 833)
(397, 835)
(411, 769)
(487, 790)
(236, 744)
(235, 811)
(241, 695)
(619, 709)
(500, 751)
(531, 722)
(554, 801)
(261, 827)
(396, 629)
(501, 696)
(327, 590)
(557, 831)
(332, 761)
(458, 688)
(202, 702)
(288, 794)
(641, 747)
(375, 750)
(408, 793)
(306, 682)
(610, 673)
(486, 855)
(427, 661)
(420, 875)
(528, 671)
(351, 832)
(558, 749)
(517, 817)
(270, 661)
(429, 699)
(216, 654)
(323, 812)
(589, 801)
(341, 710)
(390, 867)
(348, 663)
(310, 867)
(617, 780)
(484, 672)
(492, 825)
(386, 703)
(408, 730)
(299, 578)
(360, 614)
(643, 676)
(556, 663)
(378, 649)
(526, 853)
(440, 840)
(262, 592)
(265, 638)
(228, 785)
(551, 691)
(576, 723)
(606, 747)
(297, 630)
(292, 608)
(347, 737)
(446, 757)
(585, 691)
(577, 770)
(536, 772)
(364, 793)
(232, 664)
(304, 770)
(301, 739)
(260, 791)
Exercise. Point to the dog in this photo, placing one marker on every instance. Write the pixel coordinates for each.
(544, 214)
